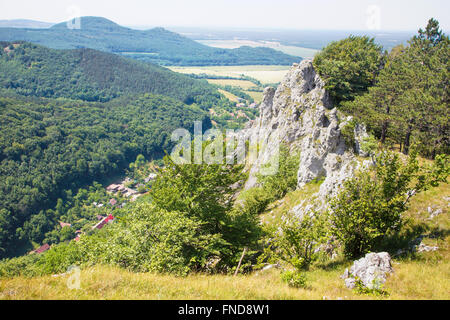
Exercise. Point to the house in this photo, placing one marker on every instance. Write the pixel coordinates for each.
(41, 249)
(97, 205)
(129, 192)
(113, 188)
(113, 202)
(104, 221)
(151, 177)
(63, 224)
(240, 105)
(254, 105)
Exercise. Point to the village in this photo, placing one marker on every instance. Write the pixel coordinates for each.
(120, 190)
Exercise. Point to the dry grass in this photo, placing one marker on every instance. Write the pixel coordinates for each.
(257, 96)
(229, 95)
(423, 276)
(243, 84)
(411, 280)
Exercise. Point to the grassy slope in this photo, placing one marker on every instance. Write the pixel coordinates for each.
(424, 276)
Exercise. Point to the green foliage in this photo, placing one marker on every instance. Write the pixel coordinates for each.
(256, 199)
(371, 204)
(297, 239)
(369, 145)
(348, 133)
(409, 102)
(204, 193)
(285, 179)
(294, 279)
(68, 144)
(91, 75)
(375, 290)
(349, 67)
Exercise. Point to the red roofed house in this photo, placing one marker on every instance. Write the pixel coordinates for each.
(44, 248)
(101, 224)
(63, 224)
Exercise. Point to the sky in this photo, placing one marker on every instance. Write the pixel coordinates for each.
(408, 15)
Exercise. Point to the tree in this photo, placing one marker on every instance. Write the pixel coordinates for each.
(205, 193)
(370, 205)
(409, 102)
(349, 67)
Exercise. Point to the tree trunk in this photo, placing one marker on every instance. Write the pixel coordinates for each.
(384, 126)
(407, 138)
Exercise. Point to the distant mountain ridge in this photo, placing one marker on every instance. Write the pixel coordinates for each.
(24, 23)
(156, 45)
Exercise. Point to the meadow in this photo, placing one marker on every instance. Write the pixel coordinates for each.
(265, 74)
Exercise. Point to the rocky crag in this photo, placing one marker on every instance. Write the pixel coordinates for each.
(300, 114)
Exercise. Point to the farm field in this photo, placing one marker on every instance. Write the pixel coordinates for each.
(243, 84)
(265, 74)
(257, 96)
(229, 95)
(305, 53)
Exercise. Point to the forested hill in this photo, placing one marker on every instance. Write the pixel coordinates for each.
(51, 147)
(155, 45)
(71, 117)
(90, 75)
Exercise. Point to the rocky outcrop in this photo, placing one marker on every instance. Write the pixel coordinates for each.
(300, 114)
(371, 270)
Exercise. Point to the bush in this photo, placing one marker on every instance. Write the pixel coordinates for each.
(294, 279)
(371, 204)
(285, 180)
(298, 237)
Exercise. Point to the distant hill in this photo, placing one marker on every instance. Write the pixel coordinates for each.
(24, 23)
(90, 75)
(156, 45)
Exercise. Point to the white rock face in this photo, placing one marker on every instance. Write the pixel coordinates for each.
(371, 270)
(300, 113)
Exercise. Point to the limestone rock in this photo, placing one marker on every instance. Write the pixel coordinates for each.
(370, 270)
(300, 113)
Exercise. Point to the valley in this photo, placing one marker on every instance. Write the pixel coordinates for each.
(231, 164)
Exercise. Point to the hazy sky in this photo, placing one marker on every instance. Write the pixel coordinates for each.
(285, 14)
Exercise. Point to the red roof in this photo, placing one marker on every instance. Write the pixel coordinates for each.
(45, 247)
(104, 221)
(63, 224)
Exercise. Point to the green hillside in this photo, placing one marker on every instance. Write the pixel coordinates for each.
(89, 75)
(156, 45)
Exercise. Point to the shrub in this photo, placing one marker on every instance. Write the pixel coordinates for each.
(294, 279)
(371, 204)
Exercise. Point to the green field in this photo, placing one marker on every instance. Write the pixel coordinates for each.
(265, 74)
(305, 53)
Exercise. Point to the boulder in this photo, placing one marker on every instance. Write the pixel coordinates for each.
(370, 270)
